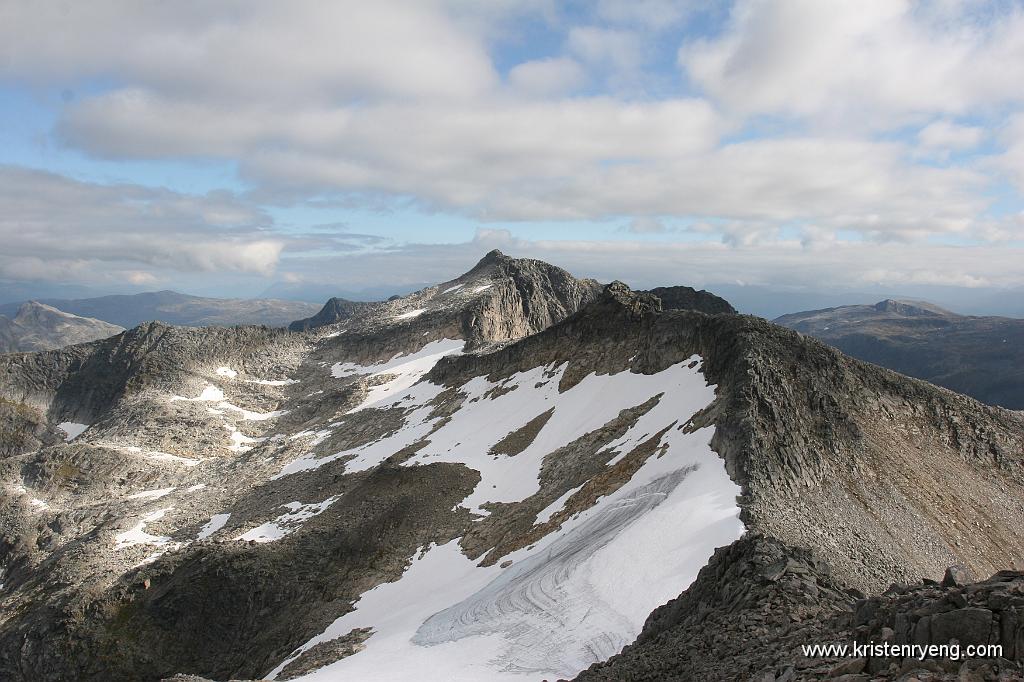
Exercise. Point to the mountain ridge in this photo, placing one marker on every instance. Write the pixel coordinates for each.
(367, 434)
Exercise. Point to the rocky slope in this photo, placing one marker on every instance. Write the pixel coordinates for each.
(171, 307)
(498, 477)
(41, 327)
(982, 357)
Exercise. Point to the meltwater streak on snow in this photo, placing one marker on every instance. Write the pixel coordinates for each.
(595, 580)
(72, 429)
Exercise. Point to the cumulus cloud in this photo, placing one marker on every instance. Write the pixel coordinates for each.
(857, 62)
(53, 227)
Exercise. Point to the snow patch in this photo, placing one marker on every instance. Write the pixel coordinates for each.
(485, 287)
(406, 370)
(227, 372)
(451, 289)
(274, 382)
(288, 522)
(411, 314)
(72, 430)
(138, 535)
(151, 494)
(210, 394)
(212, 526)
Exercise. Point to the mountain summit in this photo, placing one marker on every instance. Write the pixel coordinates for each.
(499, 299)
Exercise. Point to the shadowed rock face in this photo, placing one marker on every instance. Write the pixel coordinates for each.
(335, 310)
(42, 327)
(885, 478)
(982, 357)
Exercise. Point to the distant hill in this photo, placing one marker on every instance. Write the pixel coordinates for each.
(982, 357)
(36, 326)
(181, 309)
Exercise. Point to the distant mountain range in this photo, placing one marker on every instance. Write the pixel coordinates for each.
(180, 309)
(982, 357)
(36, 326)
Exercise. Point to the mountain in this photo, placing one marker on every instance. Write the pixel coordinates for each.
(518, 481)
(501, 298)
(171, 307)
(982, 357)
(36, 326)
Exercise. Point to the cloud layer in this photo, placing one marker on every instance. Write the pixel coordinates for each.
(804, 129)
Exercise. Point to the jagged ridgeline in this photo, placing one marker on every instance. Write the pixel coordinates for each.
(498, 477)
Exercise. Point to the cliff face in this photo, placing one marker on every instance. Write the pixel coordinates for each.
(238, 493)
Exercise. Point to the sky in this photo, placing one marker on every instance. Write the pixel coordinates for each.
(818, 148)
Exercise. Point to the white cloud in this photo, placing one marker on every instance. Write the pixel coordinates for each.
(617, 49)
(646, 225)
(259, 51)
(53, 227)
(943, 134)
(859, 62)
(553, 76)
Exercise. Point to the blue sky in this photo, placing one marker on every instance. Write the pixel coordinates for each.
(223, 148)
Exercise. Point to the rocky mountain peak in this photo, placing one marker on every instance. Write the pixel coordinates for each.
(637, 304)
